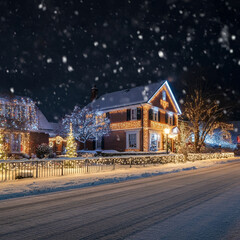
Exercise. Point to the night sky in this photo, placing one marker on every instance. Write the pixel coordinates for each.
(54, 51)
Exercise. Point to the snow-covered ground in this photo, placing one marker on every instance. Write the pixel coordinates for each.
(26, 187)
(217, 218)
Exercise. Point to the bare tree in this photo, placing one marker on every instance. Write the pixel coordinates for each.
(204, 115)
(87, 124)
(184, 138)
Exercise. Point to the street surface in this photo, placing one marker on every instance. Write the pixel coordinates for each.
(196, 204)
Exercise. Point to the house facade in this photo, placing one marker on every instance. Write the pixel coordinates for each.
(139, 118)
(22, 124)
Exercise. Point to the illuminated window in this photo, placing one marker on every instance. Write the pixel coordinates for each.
(16, 143)
(164, 96)
(155, 115)
(132, 140)
(134, 114)
(170, 119)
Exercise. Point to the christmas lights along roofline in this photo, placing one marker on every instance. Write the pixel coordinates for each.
(42, 125)
(132, 96)
(171, 93)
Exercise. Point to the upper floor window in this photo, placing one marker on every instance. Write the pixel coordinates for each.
(155, 115)
(134, 114)
(164, 96)
(170, 119)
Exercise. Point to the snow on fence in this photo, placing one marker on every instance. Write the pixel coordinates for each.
(17, 169)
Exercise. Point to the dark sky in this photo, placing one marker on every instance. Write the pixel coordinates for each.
(54, 51)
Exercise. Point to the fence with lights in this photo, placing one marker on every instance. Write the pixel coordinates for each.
(16, 169)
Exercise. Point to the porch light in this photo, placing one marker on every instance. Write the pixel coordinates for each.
(167, 131)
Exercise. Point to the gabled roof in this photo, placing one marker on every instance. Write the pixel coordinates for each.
(43, 123)
(128, 97)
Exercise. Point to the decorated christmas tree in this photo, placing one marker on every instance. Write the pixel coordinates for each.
(3, 153)
(71, 144)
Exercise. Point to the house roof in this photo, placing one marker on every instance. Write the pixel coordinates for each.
(127, 97)
(43, 123)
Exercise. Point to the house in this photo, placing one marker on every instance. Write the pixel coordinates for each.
(139, 118)
(24, 126)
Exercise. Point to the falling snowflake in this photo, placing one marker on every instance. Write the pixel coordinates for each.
(70, 68)
(64, 59)
(157, 29)
(161, 54)
(49, 60)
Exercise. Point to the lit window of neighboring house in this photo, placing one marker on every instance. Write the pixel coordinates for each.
(16, 143)
(134, 114)
(164, 96)
(132, 139)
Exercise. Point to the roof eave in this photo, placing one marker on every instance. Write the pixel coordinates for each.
(179, 112)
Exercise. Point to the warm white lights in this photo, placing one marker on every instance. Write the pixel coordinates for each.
(167, 130)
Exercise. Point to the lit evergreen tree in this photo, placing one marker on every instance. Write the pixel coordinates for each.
(71, 144)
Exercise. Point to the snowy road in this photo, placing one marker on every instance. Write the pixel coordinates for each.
(198, 204)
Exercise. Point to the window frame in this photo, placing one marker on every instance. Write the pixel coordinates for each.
(164, 95)
(16, 143)
(170, 119)
(155, 115)
(128, 133)
(133, 114)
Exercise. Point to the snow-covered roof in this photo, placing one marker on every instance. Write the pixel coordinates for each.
(7, 97)
(126, 97)
(43, 123)
(45, 126)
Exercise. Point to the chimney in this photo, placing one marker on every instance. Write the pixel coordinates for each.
(94, 92)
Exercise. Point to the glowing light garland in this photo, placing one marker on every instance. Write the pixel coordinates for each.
(216, 140)
(126, 125)
(18, 110)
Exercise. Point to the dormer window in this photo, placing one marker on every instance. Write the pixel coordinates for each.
(164, 96)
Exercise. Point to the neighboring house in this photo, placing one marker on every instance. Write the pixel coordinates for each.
(22, 123)
(235, 134)
(139, 117)
(57, 140)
